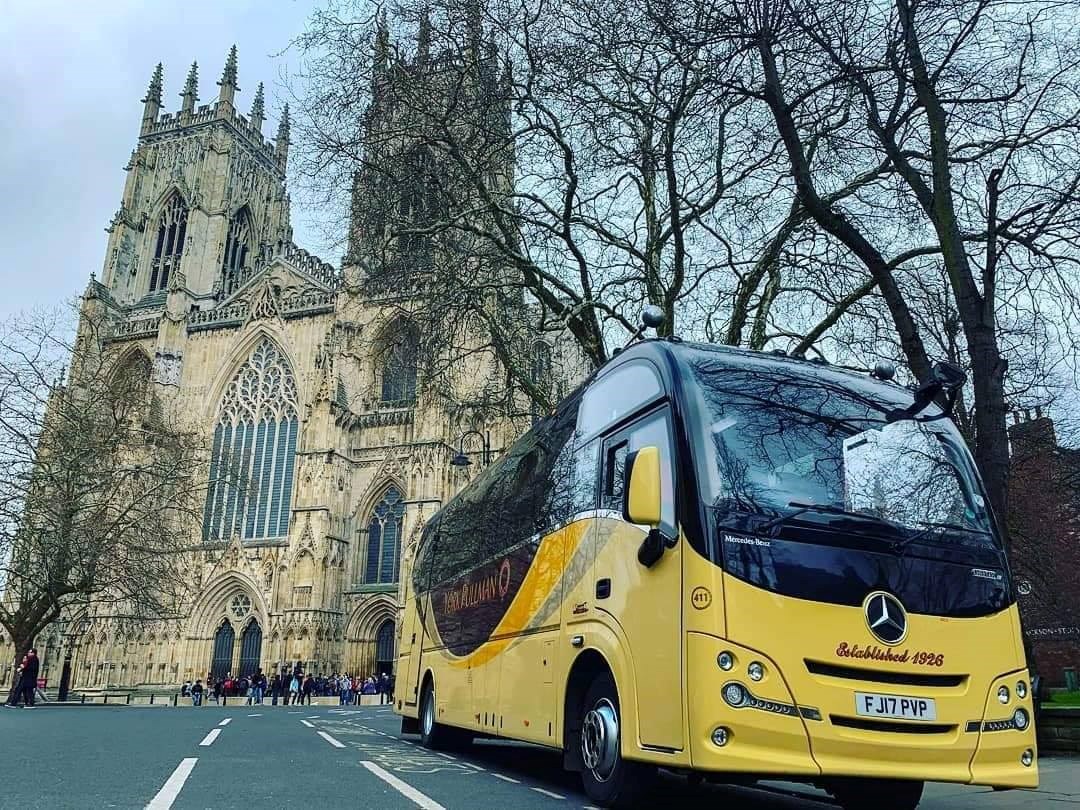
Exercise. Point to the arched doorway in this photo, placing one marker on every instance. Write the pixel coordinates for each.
(221, 663)
(384, 648)
(250, 648)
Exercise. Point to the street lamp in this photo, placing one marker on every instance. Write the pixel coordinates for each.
(461, 460)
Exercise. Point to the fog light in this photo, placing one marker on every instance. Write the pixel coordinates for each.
(1021, 689)
(1003, 694)
(721, 735)
(756, 671)
(1020, 719)
(725, 661)
(734, 694)
(1026, 758)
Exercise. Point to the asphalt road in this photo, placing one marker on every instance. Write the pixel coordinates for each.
(263, 757)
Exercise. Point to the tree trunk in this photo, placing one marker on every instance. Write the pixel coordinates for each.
(991, 431)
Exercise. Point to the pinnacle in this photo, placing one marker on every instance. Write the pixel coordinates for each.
(228, 76)
(258, 105)
(153, 92)
(283, 125)
(191, 86)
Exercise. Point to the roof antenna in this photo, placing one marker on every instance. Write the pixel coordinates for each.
(652, 317)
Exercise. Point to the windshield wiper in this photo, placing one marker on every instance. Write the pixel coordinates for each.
(824, 508)
(900, 545)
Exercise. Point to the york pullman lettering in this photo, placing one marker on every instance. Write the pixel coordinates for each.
(471, 593)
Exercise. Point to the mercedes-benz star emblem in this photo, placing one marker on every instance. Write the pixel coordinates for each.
(885, 617)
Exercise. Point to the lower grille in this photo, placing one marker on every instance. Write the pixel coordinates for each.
(873, 675)
(890, 728)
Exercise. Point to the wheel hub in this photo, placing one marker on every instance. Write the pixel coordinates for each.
(600, 739)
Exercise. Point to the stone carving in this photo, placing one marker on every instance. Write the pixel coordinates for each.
(167, 368)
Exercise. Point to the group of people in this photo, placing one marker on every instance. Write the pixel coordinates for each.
(25, 681)
(289, 687)
(349, 689)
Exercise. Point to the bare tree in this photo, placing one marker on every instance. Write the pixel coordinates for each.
(960, 121)
(99, 490)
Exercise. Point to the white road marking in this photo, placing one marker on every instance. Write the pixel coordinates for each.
(313, 717)
(406, 790)
(225, 722)
(475, 767)
(440, 753)
(209, 738)
(331, 740)
(254, 715)
(506, 778)
(306, 723)
(171, 789)
(548, 793)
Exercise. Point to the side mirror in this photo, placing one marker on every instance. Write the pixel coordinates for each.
(641, 487)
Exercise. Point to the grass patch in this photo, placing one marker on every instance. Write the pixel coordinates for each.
(1065, 698)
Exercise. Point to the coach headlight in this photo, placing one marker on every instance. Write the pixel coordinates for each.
(1020, 719)
(1003, 694)
(1021, 689)
(734, 694)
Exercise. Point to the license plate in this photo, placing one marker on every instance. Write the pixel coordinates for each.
(897, 707)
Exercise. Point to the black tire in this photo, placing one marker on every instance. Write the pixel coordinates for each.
(877, 794)
(433, 735)
(608, 779)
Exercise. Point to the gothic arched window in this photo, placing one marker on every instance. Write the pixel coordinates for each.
(169, 246)
(237, 250)
(401, 355)
(254, 450)
(384, 539)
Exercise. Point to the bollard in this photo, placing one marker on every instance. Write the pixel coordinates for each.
(128, 698)
(151, 698)
(106, 700)
(174, 697)
(83, 698)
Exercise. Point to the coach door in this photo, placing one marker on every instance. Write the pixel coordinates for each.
(645, 602)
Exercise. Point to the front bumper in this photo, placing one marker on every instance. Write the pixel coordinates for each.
(797, 725)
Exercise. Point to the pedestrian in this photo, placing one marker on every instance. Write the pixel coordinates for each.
(215, 688)
(28, 682)
(308, 689)
(294, 689)
(185, 689)
(390, 689)
(197, 693)
(275, 689)
(384, 688)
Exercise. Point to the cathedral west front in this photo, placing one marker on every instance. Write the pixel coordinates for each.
(302, 372)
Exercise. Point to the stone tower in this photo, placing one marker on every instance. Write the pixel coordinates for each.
(408, 179)
(204, 200)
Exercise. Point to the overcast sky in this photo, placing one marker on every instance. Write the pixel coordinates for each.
(73, 76)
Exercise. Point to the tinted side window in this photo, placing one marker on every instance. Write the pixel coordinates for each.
(508, 502)
(618, 394)
(653, 430)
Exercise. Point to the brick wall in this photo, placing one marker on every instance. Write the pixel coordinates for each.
(1044, 528)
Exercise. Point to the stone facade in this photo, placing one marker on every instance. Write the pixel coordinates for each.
(299, 369)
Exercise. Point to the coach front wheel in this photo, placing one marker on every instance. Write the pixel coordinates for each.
(608, 779)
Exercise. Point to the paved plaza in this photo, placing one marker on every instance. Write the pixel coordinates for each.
(323, 757)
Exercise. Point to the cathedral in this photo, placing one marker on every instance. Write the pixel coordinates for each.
(306, 372)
